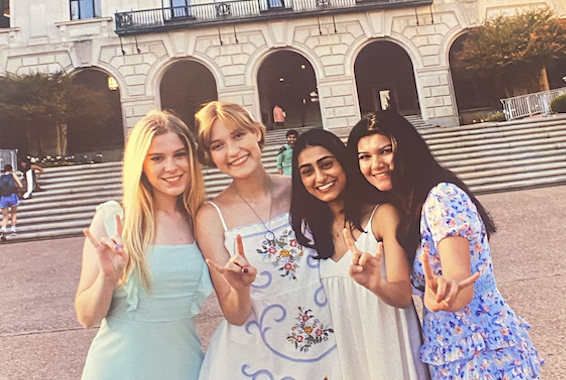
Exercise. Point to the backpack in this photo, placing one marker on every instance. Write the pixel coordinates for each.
(283, 148)
(7, 185)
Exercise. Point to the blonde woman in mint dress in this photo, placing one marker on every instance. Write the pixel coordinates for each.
(277, 322)
(144, 282)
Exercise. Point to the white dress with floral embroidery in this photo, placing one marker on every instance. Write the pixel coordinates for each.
(289, 335)
(375, 341)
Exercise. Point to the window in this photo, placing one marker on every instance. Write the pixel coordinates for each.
(4, 13)
(81, 9)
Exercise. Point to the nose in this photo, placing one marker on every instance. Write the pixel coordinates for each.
(376, 162)
(170, 163)
(319, 175)
(233, 148)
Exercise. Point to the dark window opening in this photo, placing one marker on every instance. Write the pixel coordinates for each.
(83, 9)
(4, 13)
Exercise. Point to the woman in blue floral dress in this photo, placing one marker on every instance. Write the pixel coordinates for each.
(470, 332)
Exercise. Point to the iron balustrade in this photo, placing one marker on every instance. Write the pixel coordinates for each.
(151, 20)
(530, 104)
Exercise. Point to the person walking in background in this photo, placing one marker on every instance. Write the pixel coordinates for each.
(277, 324)
(29, 175)
(279, 116)
(9, 184)
(470, 331)
(368, 288)
(144, 282)
(285, 154)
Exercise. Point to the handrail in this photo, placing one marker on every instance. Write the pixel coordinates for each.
(146, 19)
(530, 104)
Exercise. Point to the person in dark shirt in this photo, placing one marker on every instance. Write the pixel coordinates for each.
(29, 174)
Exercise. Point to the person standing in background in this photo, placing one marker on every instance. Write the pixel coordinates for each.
(28, 171)
(9, 182)
(279, 116)
(285, 154)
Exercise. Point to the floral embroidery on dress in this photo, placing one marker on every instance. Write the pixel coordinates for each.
(284, 251)
(308, 331)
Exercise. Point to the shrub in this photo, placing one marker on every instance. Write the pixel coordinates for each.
(559, 104)
(498, 116)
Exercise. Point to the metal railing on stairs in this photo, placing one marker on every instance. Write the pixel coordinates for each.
(530, 104)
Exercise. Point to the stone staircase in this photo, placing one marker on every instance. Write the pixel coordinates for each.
(489, 157)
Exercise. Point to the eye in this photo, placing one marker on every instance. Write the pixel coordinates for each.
(239, 134)
(216, 146)
(327, 164)
(182, 153)
(363, 156)
(306, 171)
(387, 150)
(156, 158)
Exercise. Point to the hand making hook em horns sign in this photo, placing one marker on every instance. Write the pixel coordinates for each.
(365, 268)
(111, 255)
(441, 292)
(238, 272)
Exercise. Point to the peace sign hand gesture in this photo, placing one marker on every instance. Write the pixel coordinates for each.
(365, 268)
(238, 272)
(111, 255)
(440, 292)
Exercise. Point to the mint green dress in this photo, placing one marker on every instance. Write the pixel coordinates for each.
(152, 336)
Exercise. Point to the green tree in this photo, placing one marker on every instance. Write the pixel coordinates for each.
(38, 108)
(514, 51)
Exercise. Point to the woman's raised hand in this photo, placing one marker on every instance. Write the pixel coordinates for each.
(441, 292)
(365, 268)
(111, 255)
(238, 272)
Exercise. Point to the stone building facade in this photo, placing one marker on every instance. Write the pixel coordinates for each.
(42, 37)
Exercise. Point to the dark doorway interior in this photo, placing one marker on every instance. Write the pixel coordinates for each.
(81, 136)
(185, 87)
(287, 79)
(383, 66)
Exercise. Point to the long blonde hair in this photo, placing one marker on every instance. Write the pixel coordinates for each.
(139, 208)
(232, 115)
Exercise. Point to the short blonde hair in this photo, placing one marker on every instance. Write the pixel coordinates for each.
(232, 115)
(139, 211)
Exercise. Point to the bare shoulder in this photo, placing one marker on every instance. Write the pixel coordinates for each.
(385, 219)
(387, 210)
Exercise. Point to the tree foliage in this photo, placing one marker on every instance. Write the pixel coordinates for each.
(39, 103)
(515, 48)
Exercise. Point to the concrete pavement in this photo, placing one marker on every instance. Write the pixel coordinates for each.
(40, 338)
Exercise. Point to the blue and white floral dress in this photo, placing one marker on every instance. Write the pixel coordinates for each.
(486, 339)
(289, 334)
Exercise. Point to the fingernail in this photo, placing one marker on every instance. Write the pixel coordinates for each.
(245, 270)
(116, 247)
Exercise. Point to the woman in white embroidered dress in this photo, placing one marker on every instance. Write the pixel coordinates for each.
(369, 290)
(277, 323)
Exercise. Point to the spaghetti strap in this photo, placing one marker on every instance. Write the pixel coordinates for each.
(220, 214)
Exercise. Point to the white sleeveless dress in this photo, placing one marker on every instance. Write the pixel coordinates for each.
(375, 340)
(289, 334)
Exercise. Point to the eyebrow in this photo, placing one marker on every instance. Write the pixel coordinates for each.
(159, 153)
(319, 160)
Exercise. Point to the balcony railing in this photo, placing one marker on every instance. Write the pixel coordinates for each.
(152, 20)
(530, 104)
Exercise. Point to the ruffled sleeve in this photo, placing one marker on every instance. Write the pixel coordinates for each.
(449, 211)
(203, 290)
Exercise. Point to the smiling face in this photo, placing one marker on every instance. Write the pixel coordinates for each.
(321, 173)
(167, 166)
(235, 151)
(375, 156)
(291, 139)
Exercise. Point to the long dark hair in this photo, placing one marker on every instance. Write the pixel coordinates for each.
(309, 213)
(415, 173)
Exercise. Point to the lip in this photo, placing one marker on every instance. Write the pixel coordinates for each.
(173, 180)
(327, 186)
(382, 175)
(239, 161)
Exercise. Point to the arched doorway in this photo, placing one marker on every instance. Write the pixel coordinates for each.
(185, 86)
(287, 79)
(385, 78)
(476, 96)
(85, 135)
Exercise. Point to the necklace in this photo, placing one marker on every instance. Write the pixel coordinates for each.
(269, 235)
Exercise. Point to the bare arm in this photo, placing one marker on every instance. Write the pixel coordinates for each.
(36, 167)
(396, 290)
(17, 180)
(231, 276)
(103, 264)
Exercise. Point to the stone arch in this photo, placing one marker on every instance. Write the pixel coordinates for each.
(394, 84)
(109, 138)
(184, 86)
(287, 78)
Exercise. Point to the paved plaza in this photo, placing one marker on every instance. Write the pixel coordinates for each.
(41, 339)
